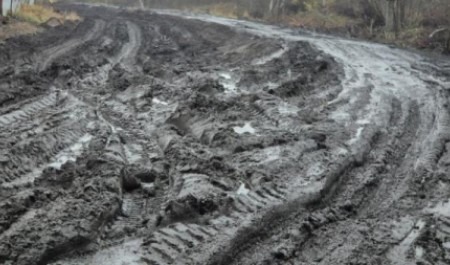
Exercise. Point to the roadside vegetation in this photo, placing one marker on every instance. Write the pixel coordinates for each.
(30, 19)
(12, 27)
(413, 23)
(38, 14)
(402, 22)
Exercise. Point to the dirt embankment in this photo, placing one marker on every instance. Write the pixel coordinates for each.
(142, 138)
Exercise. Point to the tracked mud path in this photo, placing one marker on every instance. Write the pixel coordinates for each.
(375, 77)
(168, 138)
(130, 51)
(46, 57)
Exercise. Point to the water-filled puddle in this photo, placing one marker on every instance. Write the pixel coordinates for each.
(157, 101)
(247, 128)
(228, 82)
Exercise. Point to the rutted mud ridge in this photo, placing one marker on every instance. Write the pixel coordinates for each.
(50, 54)
(163, 138)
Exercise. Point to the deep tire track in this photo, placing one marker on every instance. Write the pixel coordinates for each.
(51, 54)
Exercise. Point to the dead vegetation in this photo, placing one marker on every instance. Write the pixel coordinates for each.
(30, 18)
(16, 28)
(222, 9)
(38, 14)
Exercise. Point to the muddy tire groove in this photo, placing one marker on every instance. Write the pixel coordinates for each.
(51, 54)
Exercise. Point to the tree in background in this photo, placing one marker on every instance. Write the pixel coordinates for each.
(277, 8)
(392, 16)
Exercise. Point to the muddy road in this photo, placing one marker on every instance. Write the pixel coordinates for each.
(138, 137)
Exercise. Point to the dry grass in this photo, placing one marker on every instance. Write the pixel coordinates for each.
(313, 18)
(17, 28)
(28, 18)
(38, 14)
(412, 37)
(318, 20)
(227, 10)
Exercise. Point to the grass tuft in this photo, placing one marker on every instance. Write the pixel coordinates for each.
(17, 28)
(227, 10)
(38, 14)
(317, 20)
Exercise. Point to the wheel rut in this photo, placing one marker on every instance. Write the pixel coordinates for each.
(47, 56)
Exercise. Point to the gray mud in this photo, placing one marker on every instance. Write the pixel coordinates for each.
(140, 137)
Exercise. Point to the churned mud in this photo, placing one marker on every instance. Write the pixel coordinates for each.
(157, 137)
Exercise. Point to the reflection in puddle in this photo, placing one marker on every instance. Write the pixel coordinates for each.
(242, 190)
(442, 208)
(270, 57)
(399, 254)
(157, 101)
(125, 253)
(357, 136)
(247, 128)
(71, 153)
(228, 82)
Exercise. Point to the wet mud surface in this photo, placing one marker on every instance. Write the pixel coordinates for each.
(142, 137)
